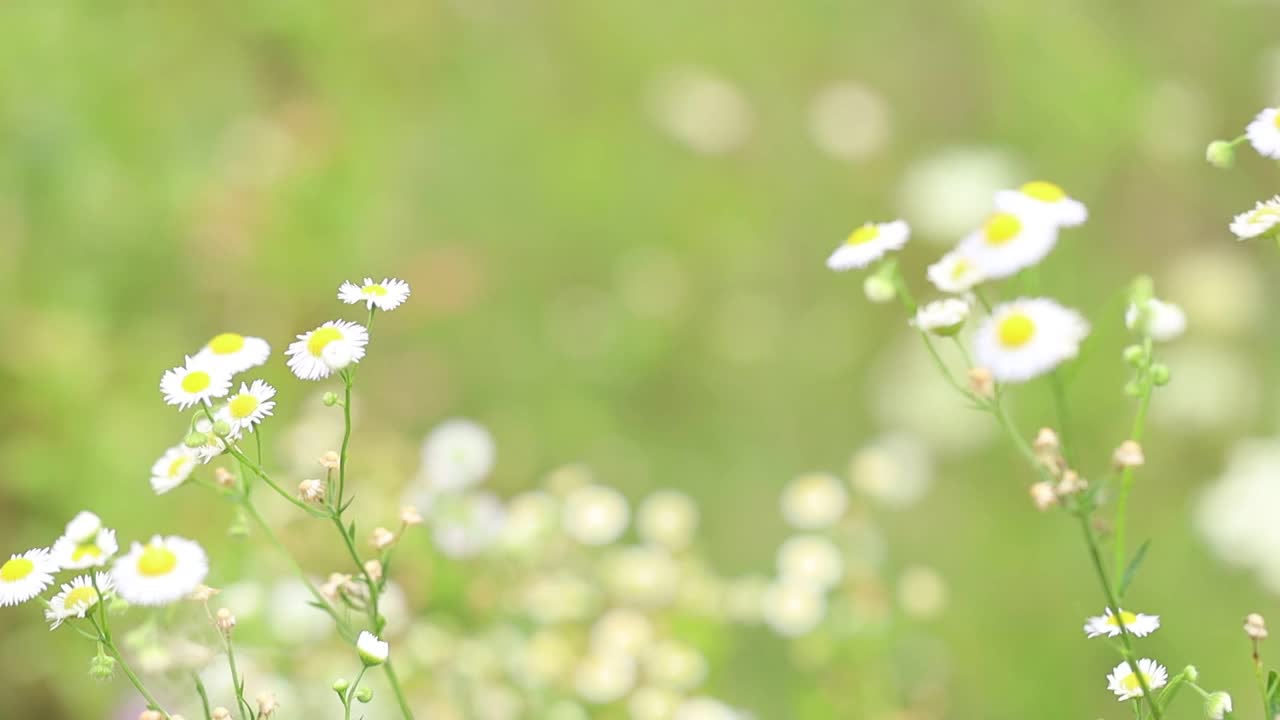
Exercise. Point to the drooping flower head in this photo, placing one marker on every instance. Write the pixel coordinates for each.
(956, 272)
(248, 407)
(1163, 321)
(1028, 337)
(457, 454)
(1045, 199)
(196, 381)
(25, 576)
(1134, 623)
(1264, 133)
(86, 544)
(1259, 221)
(161, 572)
(173, 468)
(385, 295)
(1009, 242)
(77, 598)
(234, 353)
(307, 353)
(942, 317)
(869, 243)
(1124, 682)
(372, 650)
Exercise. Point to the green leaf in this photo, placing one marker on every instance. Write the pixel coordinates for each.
(1273, 693)
(1132, 570)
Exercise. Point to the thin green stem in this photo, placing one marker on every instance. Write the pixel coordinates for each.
(1145, 387)
(237, 680)
(351, 693)
(204, 696)
(1261, 677)
(257, 470)
(395, 688)
(104, 636)
(1063, 409)
(347, 381)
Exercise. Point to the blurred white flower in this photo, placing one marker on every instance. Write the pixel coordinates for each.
(701, 110)
(1215, 388)
(1028, 337)
(792, 609)
(603, 678)
(1163, 321)
(653, 703)
(622, 631)
(674, 665)
(922, 593)
(1219, 287)
(457, 454)
(1236, 514)
(948, 193)
(869, 242)
(559, 597)
(595, 514)
(667, 518)
(1124, 682)
(530, 518)
(1044, 199)
(705, 708)
(849, 121)
(547, 658)
(1008, 243)
(1261, 220)
(289, 617)
(1264, 133)
(465, 525)
(642, 576)
(942, 317)
(815, 500)
(1134, 623)
(894, 469)
(810, 559)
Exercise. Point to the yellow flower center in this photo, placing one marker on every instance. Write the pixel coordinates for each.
(16, 569)
(157, 560)
(1015, 330)
(1001, 228)
(1132, 684)
(373, 290)
(84, 595)
(1277, 121)
(864, 234)
(1128, 617)
(960, 268)
(196, 381)
(85, 550)
(176, 466)
(1043, 191)
(226, 344)
(322, 337)
(242, 406)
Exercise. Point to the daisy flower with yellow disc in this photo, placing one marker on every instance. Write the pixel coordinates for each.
(956, 272)
(1264, 133)
(1134, 624)
(1258, 222)
(194, 382)
(1008, 242)
(307, 354)
(25, 576)
(85, 544)
(77, 598)
(868, 244)
(248, 407)
(386, 295)
(1124, 682)
(163, 571)
(1028, 337)
(173, 468)
(235, 353)
(1044, 199)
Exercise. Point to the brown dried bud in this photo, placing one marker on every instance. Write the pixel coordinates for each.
(311, 491)
(1070, 484)
(225, 621)
(330, 460)
(410, 516)
(373, 569)
(981, 382)
(382, 538)
(1255, 627)
(267, 705)
(224, 478)
(1043, 496)
(1129, 454)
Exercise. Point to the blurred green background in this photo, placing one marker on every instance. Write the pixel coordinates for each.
(614, 217)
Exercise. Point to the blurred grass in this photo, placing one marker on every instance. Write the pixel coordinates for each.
(171, 170)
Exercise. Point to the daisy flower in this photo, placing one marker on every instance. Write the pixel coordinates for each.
(1261, 220)
(1044, 199)
(1134, 623)
(1008, 242)
(1264, 133)
(385, 295)
(77, 598)
(955, 273)
(194, 382)
(161, 572)
(1161, 320)
(235, 353)
(83, 527)
(868, 244)
(248, 407)
(942, 317)
(306, 354)
(172, 469)
(76, 552)
(372, 650)
(1028, 337)
(25, 576)
(1124, 682)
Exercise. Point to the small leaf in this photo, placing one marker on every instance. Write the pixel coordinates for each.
(1273, 693)
(1132, 570)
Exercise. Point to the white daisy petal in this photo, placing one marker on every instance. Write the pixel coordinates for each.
(1134, 623)
(1045, 200)
(235, 353)
(1259, 221)
(1124, 682)
(306, 354)
(1028, 337)
(942, 317)
(868, 244)
(248, 407)
(25, 576)
(1163, 321)
(385, 295)
(71, 554)
(956, 272)
(77, 598)
(161, 572)
(1264, 133)
(194, 382)
(172, 469)
(1009, 242)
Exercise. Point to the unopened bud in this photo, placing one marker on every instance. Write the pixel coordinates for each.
(1070, 484)
(225, 621)
(981, 383)
(340, 685)
(364, 694)
(330, 460)
(1135, 355)
(1129, 454)
(311, 491)
(222, 428)
(410, 516)
(1220, 154)
(1255, 627)
(373, 569)
(195, 440)
(1217, 705)
(1160, 374)
(221, 713)
(202, 593)
(1132, 389)
(1191, 673)
(382, 538)
(267, 705)
(879, 289)
(1048, 449)
(102, 667)
(1043, 496)
(150, 715)
(223, 477)
(329, 399)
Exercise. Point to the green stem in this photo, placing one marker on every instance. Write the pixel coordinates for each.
(204, 696)
(257, 470)
(104, 636)
(237, 680)
(1260, 675)
(395, 687)
(1064, 415)
(1126, 473)
(351, 694)
(347, 380)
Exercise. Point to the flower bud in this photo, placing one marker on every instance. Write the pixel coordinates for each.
(224, 621)
(330, 460)
(1217, 705)
(150, 715)
(382, 538)
(102, 667)
(373, 569)
(311, 491)
(1255, 627)
(364, 694)
(879, 289)
(1160, 374)
(329, 399)
(981, 383)
(341, 686)
(1135, 355)
(372, 650)
(267, 705)
(410, 516)
(1043, 496)
(223, 477)
(222, 428)
(195, 440)
(203, 593)
(1191, 672)
(1220, 154)
(1129, 454)
(221, 713)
